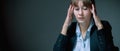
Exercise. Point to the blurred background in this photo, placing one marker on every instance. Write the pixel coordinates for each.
(34, 25)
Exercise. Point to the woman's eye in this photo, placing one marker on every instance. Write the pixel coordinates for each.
(84, 8)
(77, 9)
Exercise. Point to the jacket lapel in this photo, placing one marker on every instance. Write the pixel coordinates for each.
(93, 39)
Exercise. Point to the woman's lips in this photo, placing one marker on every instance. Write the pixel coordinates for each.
(81, 18)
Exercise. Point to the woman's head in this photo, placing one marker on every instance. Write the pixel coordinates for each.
(82, 10)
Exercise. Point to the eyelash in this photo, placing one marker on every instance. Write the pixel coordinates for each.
(84, 8)
(77, 9)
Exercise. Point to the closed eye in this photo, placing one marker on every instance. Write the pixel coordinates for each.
(84, 8)
(77, 9)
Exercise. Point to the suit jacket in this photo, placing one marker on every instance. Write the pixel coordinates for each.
(100, 40)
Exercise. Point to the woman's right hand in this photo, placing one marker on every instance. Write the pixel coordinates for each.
(68, 20)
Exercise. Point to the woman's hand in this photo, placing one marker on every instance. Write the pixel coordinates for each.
(96, 18)
(68, 19)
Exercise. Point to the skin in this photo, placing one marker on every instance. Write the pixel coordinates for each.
(83, 17)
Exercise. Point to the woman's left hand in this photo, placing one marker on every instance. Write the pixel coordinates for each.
(96, 18)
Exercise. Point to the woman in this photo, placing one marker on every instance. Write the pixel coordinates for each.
(89, 33)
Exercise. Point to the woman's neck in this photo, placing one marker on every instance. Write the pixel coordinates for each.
(83, 28)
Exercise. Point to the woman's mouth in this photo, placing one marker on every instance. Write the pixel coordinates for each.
(81, 18)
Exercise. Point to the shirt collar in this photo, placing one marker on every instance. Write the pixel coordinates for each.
(88, 30)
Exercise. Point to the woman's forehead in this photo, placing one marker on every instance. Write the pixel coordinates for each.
(78, 3)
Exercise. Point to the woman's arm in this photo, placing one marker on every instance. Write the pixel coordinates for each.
(62, 40)
(105, 38)
(61, 43)
(68, 20)
(96, 18)
(104, 33)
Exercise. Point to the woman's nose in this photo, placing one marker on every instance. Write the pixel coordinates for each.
(80, 12)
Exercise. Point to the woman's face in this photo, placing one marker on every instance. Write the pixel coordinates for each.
(82, 13)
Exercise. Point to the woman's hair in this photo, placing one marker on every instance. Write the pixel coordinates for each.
(87, 3)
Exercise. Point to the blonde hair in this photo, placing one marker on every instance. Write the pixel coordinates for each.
(87, 3)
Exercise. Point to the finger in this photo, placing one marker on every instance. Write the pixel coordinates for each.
(70, 7)
(93, 7)
(92, 10)
(70, 11)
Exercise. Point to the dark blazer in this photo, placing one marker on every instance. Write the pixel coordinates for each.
(100, 40)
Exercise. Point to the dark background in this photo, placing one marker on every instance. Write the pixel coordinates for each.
(34, 25)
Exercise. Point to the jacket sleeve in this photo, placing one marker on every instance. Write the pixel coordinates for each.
(61, 43)
(105, 38)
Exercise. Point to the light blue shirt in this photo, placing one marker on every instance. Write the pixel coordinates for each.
(83, 44)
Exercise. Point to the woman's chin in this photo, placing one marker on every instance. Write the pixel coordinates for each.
(81, 21)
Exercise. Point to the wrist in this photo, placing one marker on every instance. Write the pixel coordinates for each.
(100, 26)
(94, 15)
(64, 29)
(63, 33)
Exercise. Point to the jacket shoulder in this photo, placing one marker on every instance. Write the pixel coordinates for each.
(71, 29)
(106, 24)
